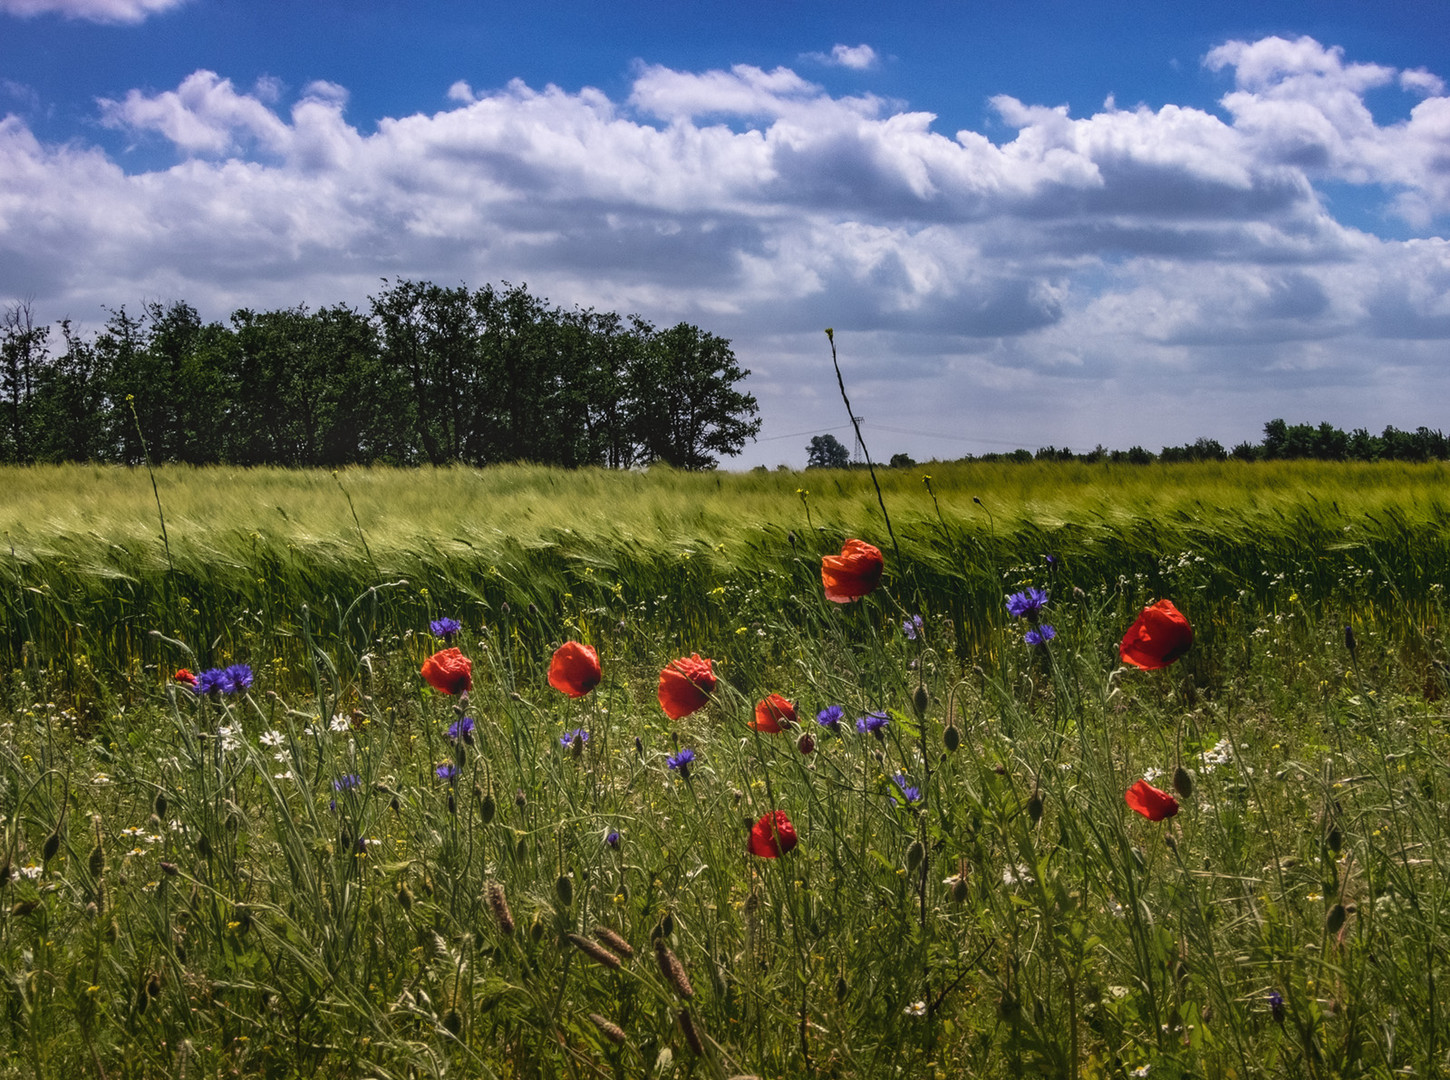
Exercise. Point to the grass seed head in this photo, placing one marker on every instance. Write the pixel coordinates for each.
(499, 905)
(692, 1033)
(614, 942)
(594, 950)
(612, 1031)
(673, 970)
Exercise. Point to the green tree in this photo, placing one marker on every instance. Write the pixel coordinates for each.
(23, 354)
(685, 405)
(827, 452)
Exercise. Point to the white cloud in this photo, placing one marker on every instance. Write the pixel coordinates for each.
(105, 11)
(1081, 256)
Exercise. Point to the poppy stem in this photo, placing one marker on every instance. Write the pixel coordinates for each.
(856, 423)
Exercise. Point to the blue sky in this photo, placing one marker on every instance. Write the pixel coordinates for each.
(1030, 224)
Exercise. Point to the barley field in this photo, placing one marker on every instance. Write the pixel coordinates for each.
(256, 819)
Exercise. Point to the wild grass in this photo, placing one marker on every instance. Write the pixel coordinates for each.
(279, 883)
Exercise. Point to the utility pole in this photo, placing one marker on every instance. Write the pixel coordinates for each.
(859, 455)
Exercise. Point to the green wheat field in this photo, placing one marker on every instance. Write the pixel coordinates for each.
(311, 877)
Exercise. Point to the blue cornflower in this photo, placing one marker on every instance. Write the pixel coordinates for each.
(910, 627)
(1276, 1006)
(343, 783)
(908, 793)
(872, 723)
(612, 839)
(681, 761)
(445, 628)
(210, 681)
(1026, 604)
(462, 729)
(447, 771)
(236, 678)
(1040, 636)
(830, 717)
(567, 739)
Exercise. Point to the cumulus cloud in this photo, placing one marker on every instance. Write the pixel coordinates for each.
(104, 11)
(1091, 254)
(856, 57)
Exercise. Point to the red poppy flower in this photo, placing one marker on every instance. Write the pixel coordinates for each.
(685, 686)
(853, 573)
(1160, 636)
(449, 672)
(773, 835)
(574, 669)
(184, 676)
(1153, 804)
(773, 715)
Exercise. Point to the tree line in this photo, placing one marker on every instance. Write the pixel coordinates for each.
(1281, 442)
(428, 375)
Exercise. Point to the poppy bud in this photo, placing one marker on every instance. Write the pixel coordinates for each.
(842, 988)
(452, 1022)
(952, 738)
(667, 925)
(52, 845)
(919, 700)
(452, 806)
(169, 869)
(536, 930)
(1350, 643)
(959, 889)
(1034, 807)
(521, 849)
(405, 896)
(914, 854)
(1334, 840)
(97, 861)
(564, 889)
(92, 910)
(519, 800)
(1182, 782)
(153, 985)
(1334, 920)
(487, 808)
(203, 846)
(160, 805)
(805, 744)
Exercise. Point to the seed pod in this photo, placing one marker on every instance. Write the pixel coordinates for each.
(920, 700)
(1335, 919)
(612, 1031)
(487, 808)
(673, 970)
(452, 1022)
(805, 744)
(952, 738)
(692, 1035)
(614, 942)
(159, 805)
(594, 950)
(914, 854)
(1182, 782)
(959, 889)
(499, 904)
(564, 889)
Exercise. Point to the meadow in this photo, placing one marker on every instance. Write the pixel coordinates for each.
(327, 871)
